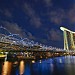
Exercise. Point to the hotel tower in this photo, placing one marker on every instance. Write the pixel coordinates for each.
(69, 39)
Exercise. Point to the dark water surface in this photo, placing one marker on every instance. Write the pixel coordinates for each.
(52, 66)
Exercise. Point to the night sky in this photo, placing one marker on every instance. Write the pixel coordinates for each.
(38, 20)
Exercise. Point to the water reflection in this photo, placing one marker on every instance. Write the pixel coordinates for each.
(7, 67)
(70, 65)
(52, 66)
(21, 67)
(33, 61)
(59, 68)
(28, 70)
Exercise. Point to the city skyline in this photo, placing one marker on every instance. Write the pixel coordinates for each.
(38, 20)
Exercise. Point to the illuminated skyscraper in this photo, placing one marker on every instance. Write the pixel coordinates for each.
(69, 39)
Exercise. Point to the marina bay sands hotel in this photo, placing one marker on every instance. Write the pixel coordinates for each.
(69, 39)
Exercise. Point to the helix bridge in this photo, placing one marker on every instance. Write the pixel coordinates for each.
(14, 44)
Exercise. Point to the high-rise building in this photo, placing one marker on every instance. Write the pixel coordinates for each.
(69, 39)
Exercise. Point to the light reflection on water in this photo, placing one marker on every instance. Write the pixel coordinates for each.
(21, 67)
(6, 68)
(52, 66)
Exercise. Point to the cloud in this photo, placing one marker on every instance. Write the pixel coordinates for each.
(54, 35)
(71, 14)
(48, 3)
(34, 19)
(57, 16)
(6, 12)
(30, 36)
(36, 22)
(13, 27)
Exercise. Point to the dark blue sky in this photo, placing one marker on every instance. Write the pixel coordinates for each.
(38, 20)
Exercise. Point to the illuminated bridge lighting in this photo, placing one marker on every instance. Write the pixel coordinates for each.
(20, 46)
